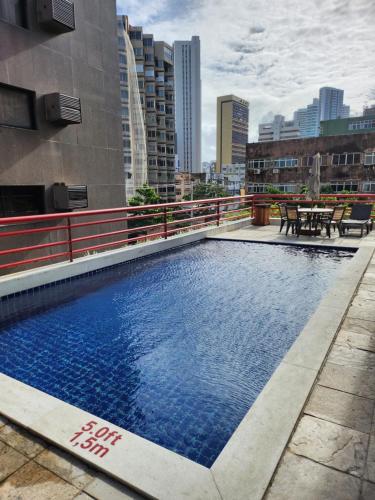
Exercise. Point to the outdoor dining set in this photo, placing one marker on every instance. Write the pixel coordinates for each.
(312, 220)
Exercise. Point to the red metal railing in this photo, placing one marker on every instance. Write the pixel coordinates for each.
(64, 236)
(69, 232)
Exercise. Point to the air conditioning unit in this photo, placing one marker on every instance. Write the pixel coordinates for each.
(256, 170)
(62, 109)
(56, 15)
(275, 171)
(69, 197)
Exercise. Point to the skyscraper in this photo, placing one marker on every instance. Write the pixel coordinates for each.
(307, 119)
(232, 130)
(278, 130)
(155, 75)
(332, 104)
(188, 104)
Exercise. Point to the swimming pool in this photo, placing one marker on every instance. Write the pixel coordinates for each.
(174, 347)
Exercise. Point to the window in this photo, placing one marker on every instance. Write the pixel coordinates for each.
(150, 103)
(285, 162)
(307, 161)
(149, 57)
(14, 12)
(125, 112)
(368, 187)
(125, 127)
(169, 110)
(170, 136)
(151, 134)
(127, 160)
(337, 186)
(160, 92)
(124, 94)
(21, 200)
(362, 125)
(160, 77)
(135, 35)
(370, 158)
(170, 150)
(161, 162)
(160, 121)
(17, 107)
(259, 163)
(149, 72)
(151, 119)
(161, 149)
(122, 58)
(139, 68)
(150, 88)
(160, 107)
(126, 143)
(151, 147)
(141, 84)
(138, 51)
(147, 42)
(346, 159)
(152, 162)
(123, 76)
(161, 135)
(120, 40)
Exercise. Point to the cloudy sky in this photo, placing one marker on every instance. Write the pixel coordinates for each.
(274, 53)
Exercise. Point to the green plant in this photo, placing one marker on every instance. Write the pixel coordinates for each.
(203, 191)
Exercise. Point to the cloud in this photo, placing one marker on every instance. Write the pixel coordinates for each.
(276, 54)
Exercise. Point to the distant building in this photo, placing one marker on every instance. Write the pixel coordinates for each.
(278, 130)
(331, 102)
(185, 182)
(188, 104)
(307, 119)
(232, 130)
(154, 67)
(348, 163)
(353, 125)
(369, 110)
(234, 178)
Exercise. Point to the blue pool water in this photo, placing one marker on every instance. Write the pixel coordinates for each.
(174, 347)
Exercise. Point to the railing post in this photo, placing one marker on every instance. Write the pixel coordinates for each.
(218, 213)
(70, 239)
(165, 218)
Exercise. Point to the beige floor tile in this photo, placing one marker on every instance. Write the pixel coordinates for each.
(105, 488)
(33, 482)
(349, 356)
(301, 479)
(370, 467)
(10, 460)
(341, 408)
(65, 466)
(358, 326)
(362, 310)
(358, 340)
(368, 491)
(331, 445)
(349, 379)
(21, 440)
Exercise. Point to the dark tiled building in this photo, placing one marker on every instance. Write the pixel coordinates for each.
(59, 106)
(348, 163)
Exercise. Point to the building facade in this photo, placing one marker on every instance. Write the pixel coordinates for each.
(185, 183)
(307, 119)
(353, 125)
(331, 104)
(232, 130)
(60, 121)
(155, 73)
(188, 104)
(347, 163)
(278, 130)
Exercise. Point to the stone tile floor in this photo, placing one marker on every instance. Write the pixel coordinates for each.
(331, 455)
(30, 469)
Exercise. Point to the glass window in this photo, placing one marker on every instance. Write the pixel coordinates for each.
(150, 103)
(370, 158)
(149, 57)
(138, 51)
(124, 94)
(139, 68)
(123, 76)
(150, 88)
(126, 143)
(160, 107)
(122, 58)
(151, 134)
(160, 92)
(135, 35)
(149, 72)
(124, 111)
(128, 159)
(17, 107)
(21, 200)
(148, 42)
(120, 39)
(368, 187)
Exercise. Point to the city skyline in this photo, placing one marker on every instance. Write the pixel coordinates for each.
(243, 52)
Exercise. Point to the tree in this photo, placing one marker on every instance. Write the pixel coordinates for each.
(273, 190)
(203, 191)
(145, 195)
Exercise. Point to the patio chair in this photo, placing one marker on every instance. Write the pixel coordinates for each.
(335, 220)
(293, 220)
(360, 218)
(283, 217)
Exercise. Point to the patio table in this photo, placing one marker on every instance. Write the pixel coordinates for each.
(314, 214)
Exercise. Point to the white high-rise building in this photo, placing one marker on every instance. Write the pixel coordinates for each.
(332, 104)
(188, 104)
(278, 130)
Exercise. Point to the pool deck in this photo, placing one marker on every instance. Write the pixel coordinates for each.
(330, 454)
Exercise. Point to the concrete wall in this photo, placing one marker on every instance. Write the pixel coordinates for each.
(81, 63)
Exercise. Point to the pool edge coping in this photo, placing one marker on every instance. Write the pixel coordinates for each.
(247, 463)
